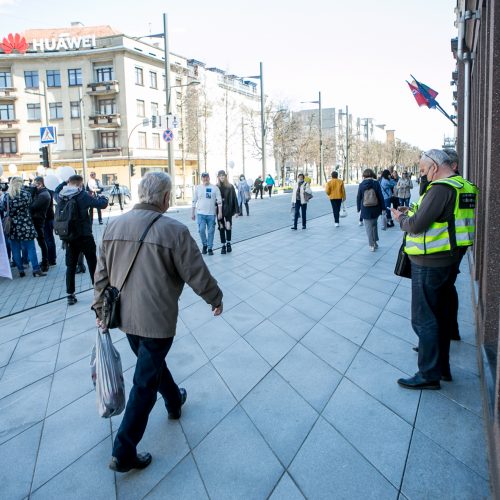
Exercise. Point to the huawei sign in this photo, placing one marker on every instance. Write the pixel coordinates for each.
(14, 43)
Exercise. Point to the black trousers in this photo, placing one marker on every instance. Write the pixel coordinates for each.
(225, 234)
(99, 214)
(40, 238)
(259, 190)
(300, 208)
(246, 208)
(86, 245)
(336, 204)
(48, 231)
(150, 377)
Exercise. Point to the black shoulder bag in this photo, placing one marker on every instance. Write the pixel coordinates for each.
(403, 263)
(111, 304)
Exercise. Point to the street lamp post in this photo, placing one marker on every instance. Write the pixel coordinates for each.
(346, 114)
(83, 142)
(318, 102)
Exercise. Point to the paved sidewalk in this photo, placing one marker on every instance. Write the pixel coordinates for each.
(291, 392)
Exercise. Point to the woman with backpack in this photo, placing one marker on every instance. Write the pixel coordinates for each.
(370, 202)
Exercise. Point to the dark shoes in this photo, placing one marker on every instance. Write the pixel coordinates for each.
(176, 415)
(303, 227)
(38, 274)
(141, 461)
(22, 274)
(455, 336)
(447, 378)
(72, 299)
(210, 251)
(294, 228)
(204, 250)
(418, 382)
(101, 222)
(44, 268)
(228, 247)
(223, 249)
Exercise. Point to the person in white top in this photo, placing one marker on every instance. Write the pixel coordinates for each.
(94, 188)
(207, 201)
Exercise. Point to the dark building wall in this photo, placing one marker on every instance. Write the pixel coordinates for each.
(482, 43)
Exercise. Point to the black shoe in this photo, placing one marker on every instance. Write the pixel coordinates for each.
(294, 228)
(38, 274)
(228, 246)
(176, 415)
(456, 336)
(72, 299)
(303, 227)
(415, 349)
(22, 274)
(12, 264)
(141, 461)
(51, 264)
(223, 249)
(210, 251)
(44, 268)
(101, 222)
(418, 382)
(447, 377)
(204, 250)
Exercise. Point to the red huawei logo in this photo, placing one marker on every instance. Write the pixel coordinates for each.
(14, 42)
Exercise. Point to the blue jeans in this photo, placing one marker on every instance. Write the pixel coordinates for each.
(206, 223)
(431, 317)
(150, 377)
(300, 209)
(28, 248)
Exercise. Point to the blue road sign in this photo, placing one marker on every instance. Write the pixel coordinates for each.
(168, 135)
(48, 135)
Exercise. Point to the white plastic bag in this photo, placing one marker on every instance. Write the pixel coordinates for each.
(384, 220)
(343, 211)
(107, 376)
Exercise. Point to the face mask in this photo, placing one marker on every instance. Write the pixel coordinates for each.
(424, 182)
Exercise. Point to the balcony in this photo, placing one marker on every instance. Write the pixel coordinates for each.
(107, 151)
(8, 94)
(103, 88)
(105, 120)
(9, 125)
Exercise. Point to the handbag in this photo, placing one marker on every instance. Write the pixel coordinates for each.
(343, 211)
(307, 194)
(7, 220)
(403, 262)
(111, 304)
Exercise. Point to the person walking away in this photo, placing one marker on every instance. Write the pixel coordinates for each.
(301, 195)
(404, 187)
(48, 231)
(270, 184)
(439, 226)
(370, 204)
(39, 207)
(387, 185)
(244, 195)
(258, 187)
(207, 201)
(22, 234)
(335, 191)
(168, 259)
(229, 209)
(94, 188)
(73, 203)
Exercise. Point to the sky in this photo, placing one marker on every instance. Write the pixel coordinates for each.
(357, 53)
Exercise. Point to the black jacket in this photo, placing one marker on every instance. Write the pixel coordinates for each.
(40, 205)
(84, 201)
(370, 212)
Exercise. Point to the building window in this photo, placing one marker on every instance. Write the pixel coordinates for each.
(156, 141)
(139, 76)
(107, 106)
(104, 74)
(77, 142)
(8, 145)
(140, 108)
(53, 78)
(75, 109)
(34, 112)
(74, 77)
(153, 80)
(31, 79)
(55, 110)
(109, 140)
(5, 79)
(142, 140)
(154, 109)
(7, 112)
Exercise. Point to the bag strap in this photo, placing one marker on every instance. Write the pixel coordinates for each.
(141, 241)
(8, 209)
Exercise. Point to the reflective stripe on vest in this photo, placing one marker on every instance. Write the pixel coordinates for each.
(437, 238)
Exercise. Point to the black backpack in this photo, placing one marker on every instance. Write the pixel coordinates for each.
(66, 220)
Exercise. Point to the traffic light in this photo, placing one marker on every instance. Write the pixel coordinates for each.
(44, 156)
(132, 170)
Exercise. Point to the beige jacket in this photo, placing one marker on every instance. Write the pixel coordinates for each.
(304, 188)
(168, 258)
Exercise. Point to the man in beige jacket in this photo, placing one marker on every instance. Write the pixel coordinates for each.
(167, 259)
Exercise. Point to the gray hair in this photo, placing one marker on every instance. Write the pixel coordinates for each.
(153, 187)
(452, 155)
(437, 156)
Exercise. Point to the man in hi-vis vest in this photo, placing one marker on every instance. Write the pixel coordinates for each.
(439, 227)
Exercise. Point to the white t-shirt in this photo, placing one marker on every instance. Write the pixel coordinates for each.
(206, 199)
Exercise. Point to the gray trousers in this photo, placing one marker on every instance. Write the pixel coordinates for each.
(371, 230)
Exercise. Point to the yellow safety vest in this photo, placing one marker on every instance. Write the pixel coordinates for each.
(438, 238)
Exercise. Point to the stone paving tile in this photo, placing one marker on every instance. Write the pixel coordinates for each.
(235, 451)
(243, 318)
(354, 329)
(286, 490)
(38, 340)
(6, 350)
(215, 336)
(292, 322)
(339, 470)
(265, 303)
(185, 358)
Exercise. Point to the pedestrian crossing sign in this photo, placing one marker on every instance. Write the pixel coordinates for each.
(48, 135)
